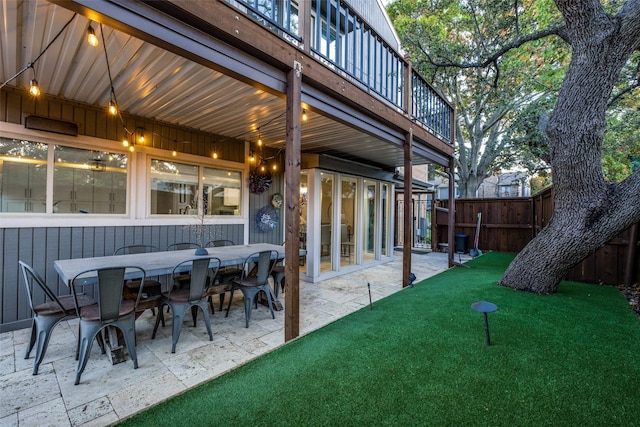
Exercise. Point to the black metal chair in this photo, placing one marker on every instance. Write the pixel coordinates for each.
(255, 279)
(46, 315)
(191, 297)
(150, 299)
(225, 275)
(182, 246)
(111, 310)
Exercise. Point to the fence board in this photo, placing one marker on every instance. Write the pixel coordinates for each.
(508, 224)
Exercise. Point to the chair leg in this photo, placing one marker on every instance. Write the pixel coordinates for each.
(43, 325)
(87, 333)
(159, 318)
(32, 339)
(128, 328)
(248, 306)
(229, 305)
(179, 310)
(207, 319)
(221, 300)
(267, 290)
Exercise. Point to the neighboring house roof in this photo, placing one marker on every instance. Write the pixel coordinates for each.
(511, 178)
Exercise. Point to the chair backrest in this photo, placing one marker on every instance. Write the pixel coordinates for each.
(109, 284)
(32, 279)
(264, 264)
(218, 243)
(182, 246)
(135, 249)
(202, 273)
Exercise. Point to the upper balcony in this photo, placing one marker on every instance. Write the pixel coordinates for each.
(341, 40)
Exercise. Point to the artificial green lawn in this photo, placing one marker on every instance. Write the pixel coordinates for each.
(420, 358)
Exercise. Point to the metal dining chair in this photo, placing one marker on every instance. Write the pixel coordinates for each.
(225, 275)
(255, 279)
(152, 287)
(191, 297)
(182, 246)
(111, 310)
(47, 314)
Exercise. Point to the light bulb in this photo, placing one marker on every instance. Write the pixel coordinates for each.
(113, 109)
(174, 153)
(131, 148)
(125, 142)
(91, 37)
(251, 158)
(275, 167)
(261, 168)
(34, 89)
(215, 155)
(304, 115)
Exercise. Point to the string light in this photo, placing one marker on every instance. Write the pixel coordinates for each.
(215, 154)
(259, 139)
(113, 109)
(92, 39)
(174, 153)
(252, 157)
(140, 132)
(34, 89)
(304, 115)
(125, 142)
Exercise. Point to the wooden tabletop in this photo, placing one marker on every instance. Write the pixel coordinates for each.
(159, 263)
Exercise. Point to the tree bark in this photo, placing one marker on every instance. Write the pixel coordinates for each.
(588, 211)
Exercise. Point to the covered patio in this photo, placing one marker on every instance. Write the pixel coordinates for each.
(110, 393)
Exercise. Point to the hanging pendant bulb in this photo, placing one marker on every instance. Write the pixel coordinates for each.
(131, 148)
(215, 154)
(113, 109)
(125, 142)
(92, 39)
(259, 139)
(304, 115)
(252, 157)
(34, 89)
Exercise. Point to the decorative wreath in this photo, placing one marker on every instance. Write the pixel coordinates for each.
(267, 218)
(259, 182)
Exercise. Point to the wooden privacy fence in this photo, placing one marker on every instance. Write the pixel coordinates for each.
(508, 224)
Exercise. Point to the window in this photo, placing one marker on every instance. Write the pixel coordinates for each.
(23, 176)
(84, 181)
(89, 181)
(175, 189)
(222, 191)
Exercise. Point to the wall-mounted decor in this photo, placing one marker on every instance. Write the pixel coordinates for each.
(259, 182)
(267, 218)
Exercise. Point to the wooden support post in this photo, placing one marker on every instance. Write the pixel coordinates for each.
(452, 211)
(292, 204)
(407, 221)
(408, 209)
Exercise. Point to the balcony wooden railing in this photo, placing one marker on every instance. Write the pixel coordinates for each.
(344, 42)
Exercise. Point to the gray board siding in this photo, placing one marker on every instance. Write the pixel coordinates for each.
(41, 246)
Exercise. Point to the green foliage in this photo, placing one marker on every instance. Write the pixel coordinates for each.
(499, 103)
(502, 105)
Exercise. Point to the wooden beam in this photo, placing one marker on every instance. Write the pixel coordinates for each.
(407, 220)
(292, 205)
(408, 209)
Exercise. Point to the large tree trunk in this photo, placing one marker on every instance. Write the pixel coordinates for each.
(588, 211)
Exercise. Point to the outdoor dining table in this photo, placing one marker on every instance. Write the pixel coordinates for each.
(158, 264)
